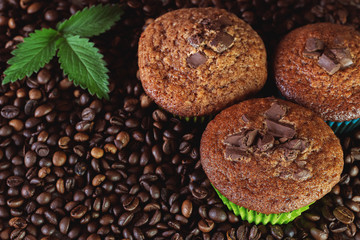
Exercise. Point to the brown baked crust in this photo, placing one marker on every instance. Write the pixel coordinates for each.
(335, 97)
(257, 184)
(225, 78)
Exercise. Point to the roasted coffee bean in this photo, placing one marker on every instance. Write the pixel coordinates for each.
(186, 208)
(343, 214)
(205, 225)
(217, 214)
(14, 181)
(9, 112)
(125, 219)
(318, 234)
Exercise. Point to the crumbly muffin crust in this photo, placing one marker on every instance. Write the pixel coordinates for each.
(335, 97)
(219, 74)
(267, 182)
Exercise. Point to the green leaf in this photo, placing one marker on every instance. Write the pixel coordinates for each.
(83, 64)
(91, 21)
(32, 54)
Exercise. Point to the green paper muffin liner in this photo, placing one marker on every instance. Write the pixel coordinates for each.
(257, 218)
(195, 119)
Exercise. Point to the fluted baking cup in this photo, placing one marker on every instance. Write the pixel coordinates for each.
(340, 128)
(260, 218)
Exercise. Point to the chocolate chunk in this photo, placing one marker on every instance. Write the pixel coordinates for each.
(295, 144)
(329, 63)
(234, 140)
(210, 25)
(301, 163)
(313, 55)
(291, 155)
(224, 21)
(195, 40)
(314, 44)
(250, 137)
(234, 153)
(302, 175)
(266, 143)
(275, 112)
(221, 42)
(280, 130)
(196, 59)
(245, 118)
(343, 56)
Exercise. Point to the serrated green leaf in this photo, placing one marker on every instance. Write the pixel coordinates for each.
(83, 64)
(32, 54)
(91, 21)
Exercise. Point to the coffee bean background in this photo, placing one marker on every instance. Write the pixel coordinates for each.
(76, 167)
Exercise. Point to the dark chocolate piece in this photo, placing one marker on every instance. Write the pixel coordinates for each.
(221, 42)
(245, 118)
(295, 144)
(303, 175)
(195, 40)
(343, 56)
(234, 140)
(196, 59)
(314, 55)
(234, 153)
(328, 63)
(224, 21)
(280, 130)
(291, 155)
(251, 136)
(314, 44)
(266, 143)
(211, 25)
(275, 112)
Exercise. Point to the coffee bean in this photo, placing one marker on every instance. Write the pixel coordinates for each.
(205, 225)
(98, 179)
(14, 181)
(242, 232)
(43, 110)
(343, 214)
(59, 158)
(318, 234)
(78, 212)
(17, 222)
(217, 214)
(131, 203)
(155, 218)
(9, 112)
(276, 231)
(43, 198)
(186, 208)
(125, 219)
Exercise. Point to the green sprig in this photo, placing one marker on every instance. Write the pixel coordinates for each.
(79, 58)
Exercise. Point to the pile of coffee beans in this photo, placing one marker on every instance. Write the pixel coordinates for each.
(76, 167)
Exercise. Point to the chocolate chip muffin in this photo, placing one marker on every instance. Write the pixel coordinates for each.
(317, 66)
(194, 62)
(271, 156)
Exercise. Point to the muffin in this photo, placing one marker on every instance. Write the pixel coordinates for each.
(269, 159)
(195, 62)
(317, 66)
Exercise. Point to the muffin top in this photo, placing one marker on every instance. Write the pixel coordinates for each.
(194, 62)
(317, 66)
(270, 155)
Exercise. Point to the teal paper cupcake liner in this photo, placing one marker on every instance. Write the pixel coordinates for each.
(340, 128)
(257, 218)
